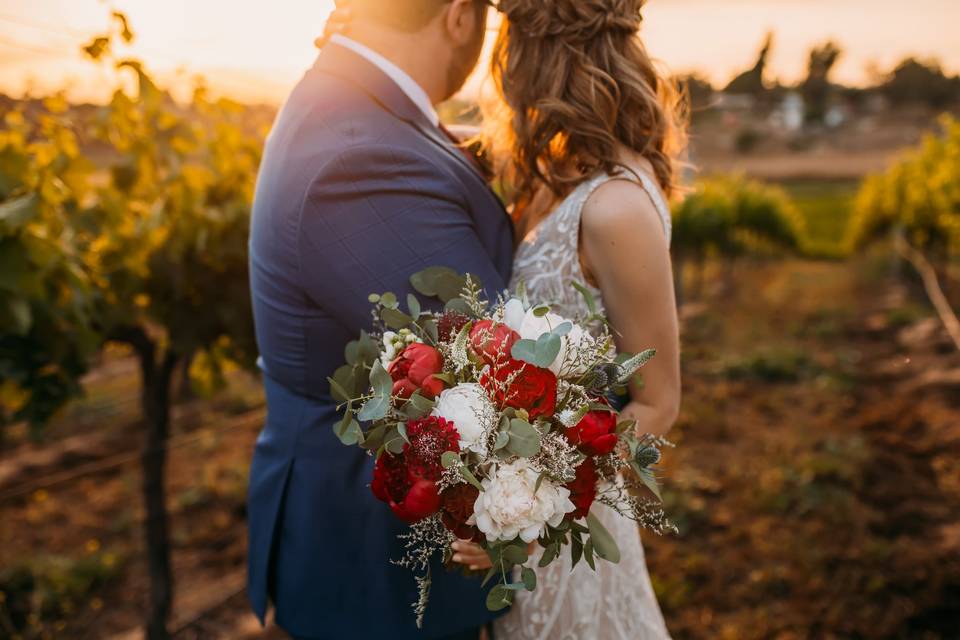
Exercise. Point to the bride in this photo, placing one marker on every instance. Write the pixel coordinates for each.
(588, 131)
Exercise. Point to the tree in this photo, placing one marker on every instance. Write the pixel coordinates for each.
(918, 202)
(752, 81)
(816, 88)
(156, 254)
(46, 331)
(921, 82)
(729, 217)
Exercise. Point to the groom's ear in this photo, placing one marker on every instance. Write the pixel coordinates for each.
(463, 19)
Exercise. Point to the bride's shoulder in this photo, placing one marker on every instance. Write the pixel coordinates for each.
(625, 204)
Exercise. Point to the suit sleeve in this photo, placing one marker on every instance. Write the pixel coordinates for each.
(375, 215)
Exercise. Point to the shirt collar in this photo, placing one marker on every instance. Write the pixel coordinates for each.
(403, 80)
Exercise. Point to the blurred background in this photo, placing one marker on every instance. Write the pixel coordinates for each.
(816, 478)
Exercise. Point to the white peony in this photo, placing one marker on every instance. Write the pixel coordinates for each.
(508, 506)
(470, 410)
(533, 326)
(513, 314)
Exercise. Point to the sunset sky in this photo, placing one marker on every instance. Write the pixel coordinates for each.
(256, 50)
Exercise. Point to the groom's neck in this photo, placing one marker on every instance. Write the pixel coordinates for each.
(418, 54)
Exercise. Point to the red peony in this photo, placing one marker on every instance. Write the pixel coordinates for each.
(583, 489)
(457, 507)
(595, 434)
(522, 385)
(492, 341)
(414, 370)
(407, 482)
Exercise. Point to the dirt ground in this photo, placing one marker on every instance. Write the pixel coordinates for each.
(815, 482)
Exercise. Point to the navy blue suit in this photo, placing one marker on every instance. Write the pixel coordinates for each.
(357, 191)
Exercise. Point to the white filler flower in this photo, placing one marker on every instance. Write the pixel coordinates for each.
(508, 506)
(470, 410)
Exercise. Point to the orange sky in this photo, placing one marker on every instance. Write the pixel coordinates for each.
(256, 50)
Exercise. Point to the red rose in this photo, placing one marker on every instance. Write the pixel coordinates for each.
(457, 507)
(414, 370)
(492, 341)
(522, 385)
(583, 489)
(595, 434)
(407, 482)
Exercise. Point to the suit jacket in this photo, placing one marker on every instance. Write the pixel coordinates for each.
(357, 191)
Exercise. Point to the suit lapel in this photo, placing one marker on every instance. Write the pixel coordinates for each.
(347, 65)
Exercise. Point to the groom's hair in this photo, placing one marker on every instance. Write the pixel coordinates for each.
(406, 15)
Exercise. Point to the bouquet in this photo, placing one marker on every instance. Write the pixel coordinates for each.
(491, 422)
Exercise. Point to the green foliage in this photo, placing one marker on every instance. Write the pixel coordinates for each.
(919, 195)
(42, 591)
(154, 240)
(732, 216)
(46, 295)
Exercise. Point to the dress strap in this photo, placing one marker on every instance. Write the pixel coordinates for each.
(637, 177)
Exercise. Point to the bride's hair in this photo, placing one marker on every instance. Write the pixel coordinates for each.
(574, 82)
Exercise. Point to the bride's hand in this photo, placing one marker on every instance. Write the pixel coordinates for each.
(338, 22)
(473, 555)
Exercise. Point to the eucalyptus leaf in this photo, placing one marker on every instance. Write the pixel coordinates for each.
(394, 318)
(503, 439)
(601, 540)
(418, 407)
(515, 554)
(459, 305)
(469, 477)
(525, 350)
(337, 391)
(381, 381)
(548, 348)
(647, 478)
(562, 329)
(450, 459)
(375, 408)
(576, 550)
(588, 554)
(549, 554)
(389, 300)
(395, 444)
(413, 305)
(439, 282)
(529, 578)
(368, 349)
(499, 598)
(588, 297)
(524, 438)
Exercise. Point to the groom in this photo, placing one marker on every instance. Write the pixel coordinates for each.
(359, 188)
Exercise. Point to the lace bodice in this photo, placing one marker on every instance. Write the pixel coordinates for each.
(615, 602)
(548, 261)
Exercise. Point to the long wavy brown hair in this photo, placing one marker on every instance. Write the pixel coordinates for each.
(575, 85)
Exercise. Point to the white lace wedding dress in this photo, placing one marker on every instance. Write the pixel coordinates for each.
(616, 602)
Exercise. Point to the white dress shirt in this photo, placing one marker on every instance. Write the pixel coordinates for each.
(409, 86)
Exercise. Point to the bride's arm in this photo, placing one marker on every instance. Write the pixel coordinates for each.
(624, 250)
